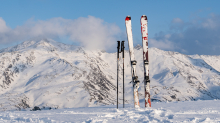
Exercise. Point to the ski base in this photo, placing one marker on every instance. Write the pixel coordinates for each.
(147, 94)
(136, 97)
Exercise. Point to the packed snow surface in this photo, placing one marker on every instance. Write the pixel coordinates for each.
(164, 112)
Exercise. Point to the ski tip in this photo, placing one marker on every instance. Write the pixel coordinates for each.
(128, 18)
(144, 16)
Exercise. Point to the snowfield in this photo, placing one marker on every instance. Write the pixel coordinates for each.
(207, 111)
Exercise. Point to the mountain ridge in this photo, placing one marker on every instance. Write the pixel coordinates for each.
(51, 74)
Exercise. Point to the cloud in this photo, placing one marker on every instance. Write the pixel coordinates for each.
(90, 32)
(164, 44)
(198, 36)
(3, 27)
(177, 20)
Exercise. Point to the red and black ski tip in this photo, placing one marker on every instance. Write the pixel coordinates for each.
(128, 18)
(144, 16)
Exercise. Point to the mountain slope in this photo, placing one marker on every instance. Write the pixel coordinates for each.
(51, 74)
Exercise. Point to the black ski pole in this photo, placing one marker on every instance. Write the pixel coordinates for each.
(122, 50)
(117, 69)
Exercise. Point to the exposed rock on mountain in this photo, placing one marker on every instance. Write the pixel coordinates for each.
(51, 74)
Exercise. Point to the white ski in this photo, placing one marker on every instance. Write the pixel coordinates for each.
(133, 62)
(144, 31)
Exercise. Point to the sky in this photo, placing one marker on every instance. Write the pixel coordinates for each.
(189, 26)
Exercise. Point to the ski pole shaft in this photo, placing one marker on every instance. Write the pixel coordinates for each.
(122, 51)
(117, 68)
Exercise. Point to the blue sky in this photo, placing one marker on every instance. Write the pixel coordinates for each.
(189, 26)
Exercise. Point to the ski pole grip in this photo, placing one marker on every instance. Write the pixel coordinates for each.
(118, 49)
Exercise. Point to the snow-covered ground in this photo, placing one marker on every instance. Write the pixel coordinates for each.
(188, 111)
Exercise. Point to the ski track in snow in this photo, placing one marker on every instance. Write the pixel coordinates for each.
(168, 112)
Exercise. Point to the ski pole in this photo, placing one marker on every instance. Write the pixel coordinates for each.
(117, 68)
(122, 50)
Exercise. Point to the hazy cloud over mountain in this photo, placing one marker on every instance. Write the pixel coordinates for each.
(90, 32)
(198, 36)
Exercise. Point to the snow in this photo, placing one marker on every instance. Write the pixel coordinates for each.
(185, 111)
(82, 84)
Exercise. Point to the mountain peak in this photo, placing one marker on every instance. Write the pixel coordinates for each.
(138, 47)
(45, 44)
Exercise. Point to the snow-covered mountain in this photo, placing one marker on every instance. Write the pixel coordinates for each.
(51, 74)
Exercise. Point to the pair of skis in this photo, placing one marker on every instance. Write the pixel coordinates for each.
(144, 31)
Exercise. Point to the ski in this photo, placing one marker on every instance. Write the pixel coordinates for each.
(133, 62)
(144, 31)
